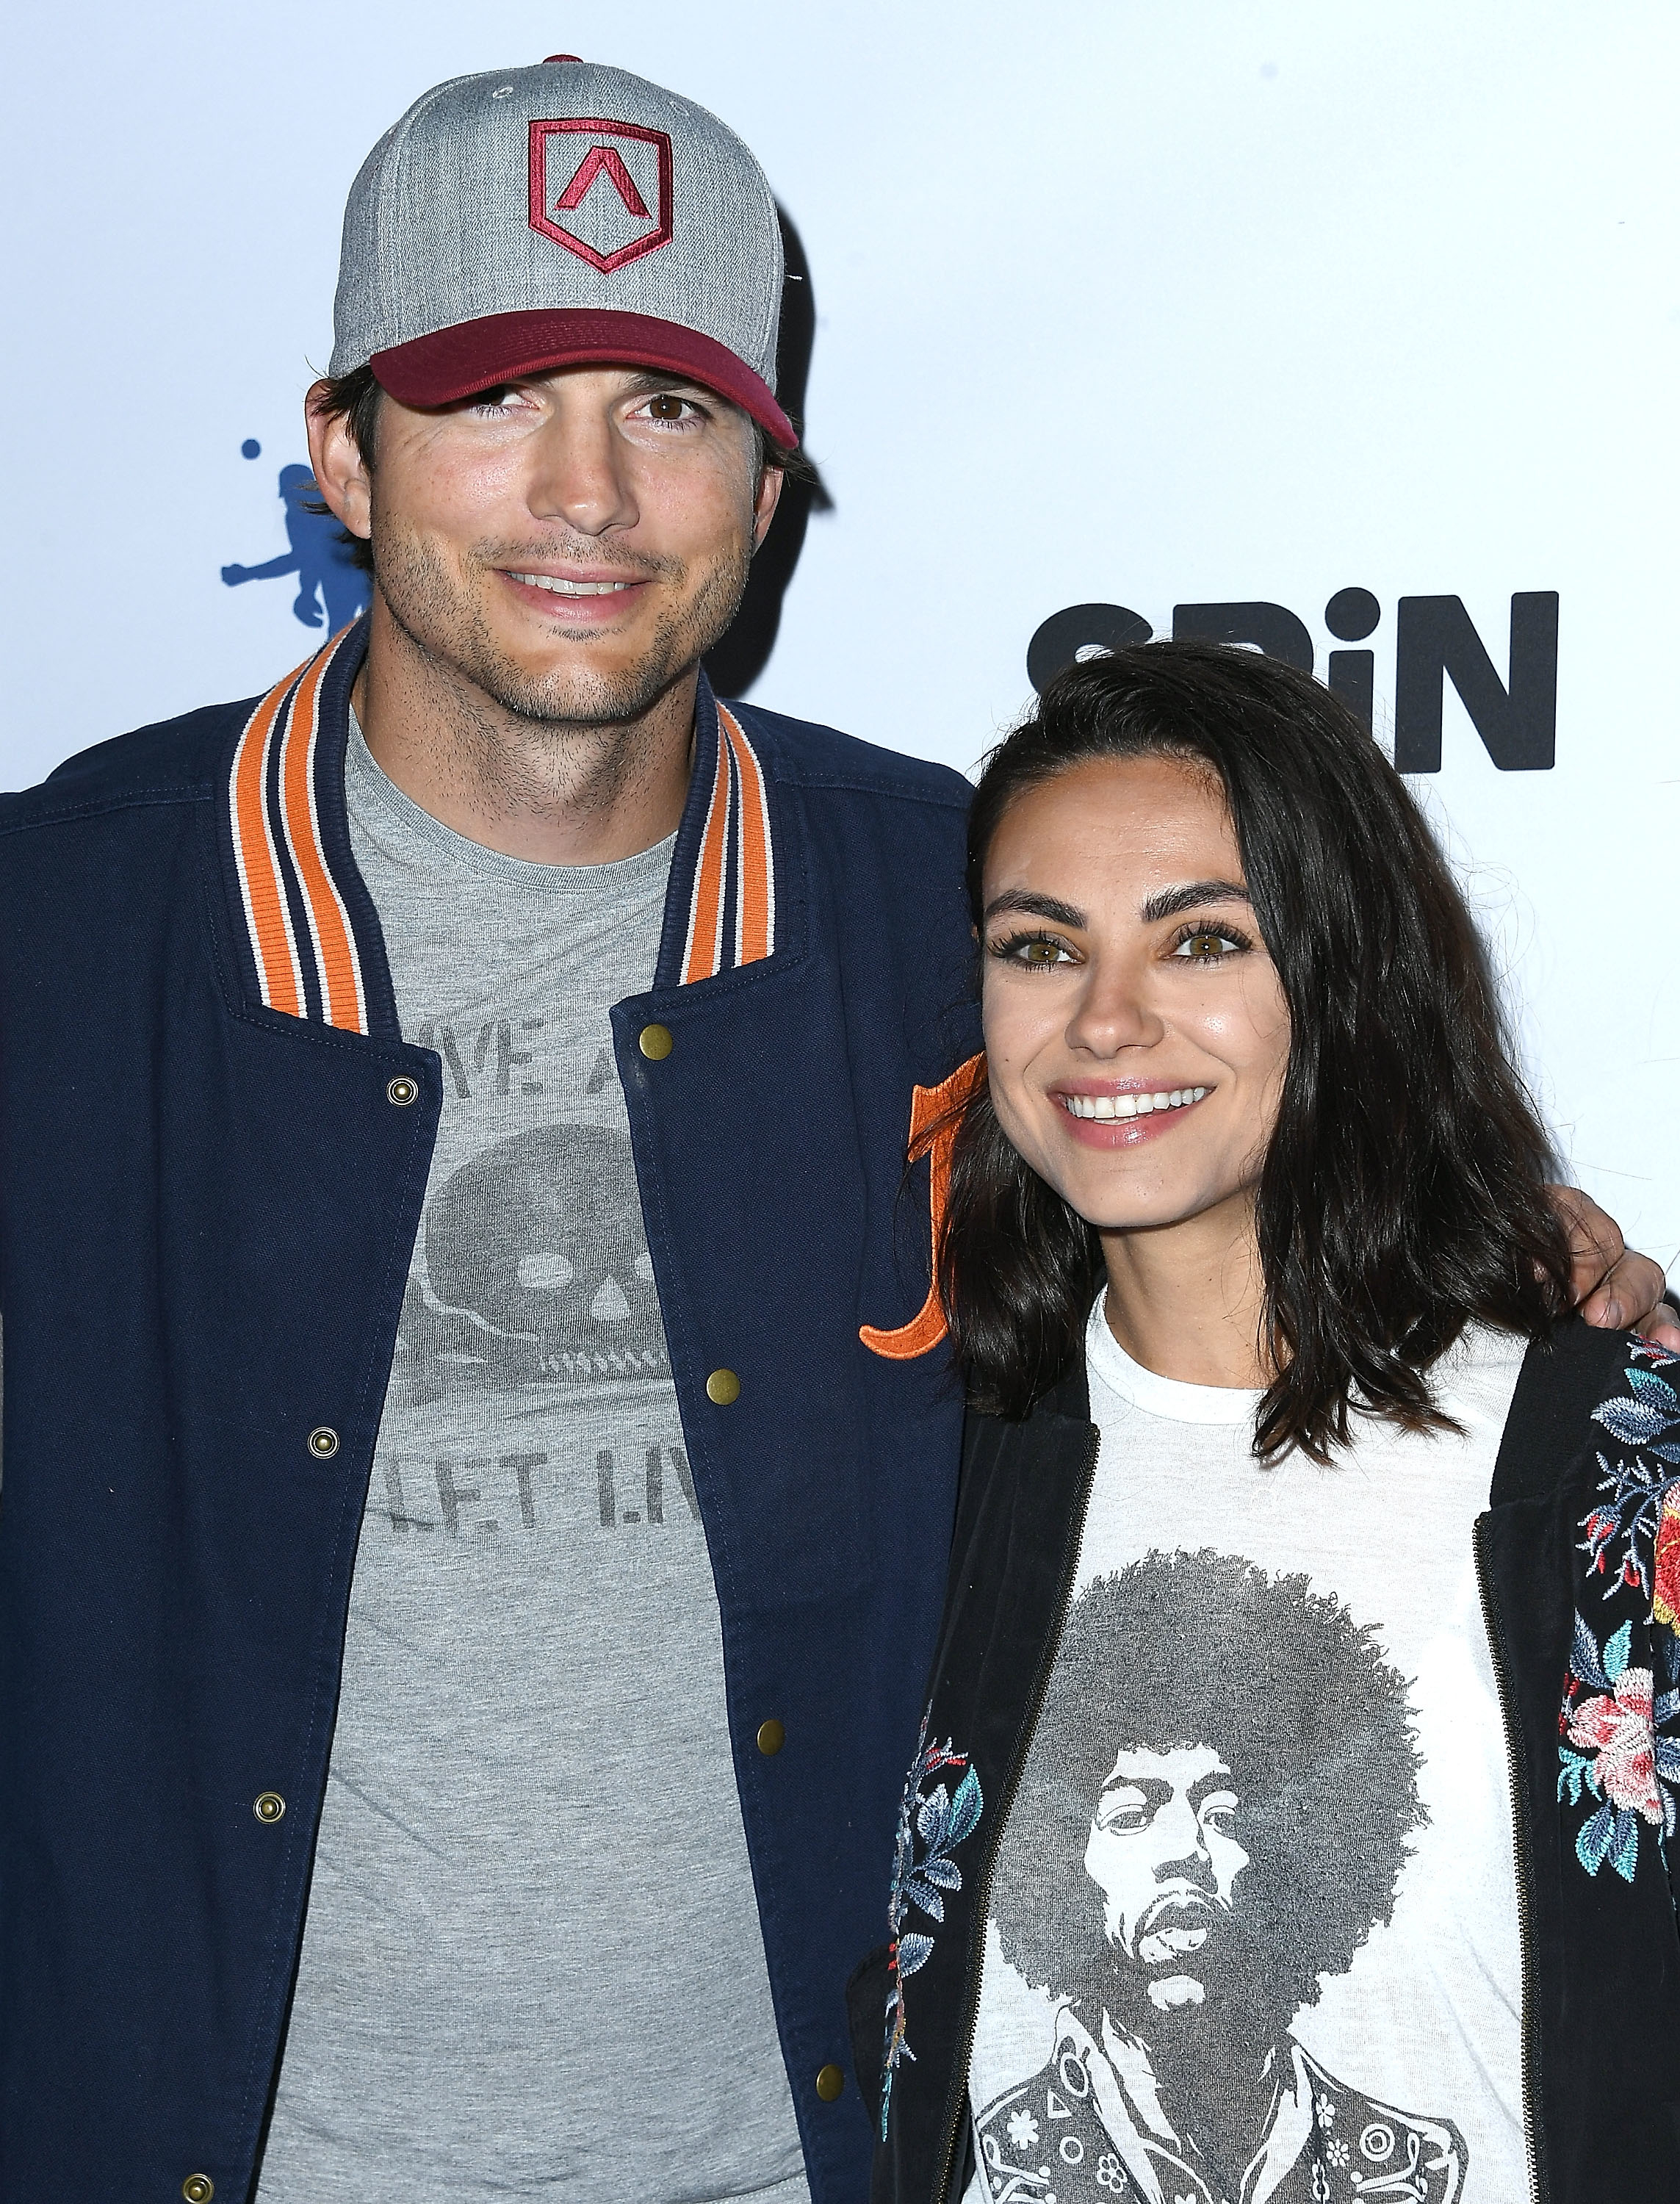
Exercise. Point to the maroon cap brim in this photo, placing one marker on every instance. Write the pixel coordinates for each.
(473, 356)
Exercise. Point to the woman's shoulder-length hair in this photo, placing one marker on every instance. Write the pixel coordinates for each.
(1402, 1192)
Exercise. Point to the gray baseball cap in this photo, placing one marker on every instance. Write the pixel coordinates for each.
(536, 218)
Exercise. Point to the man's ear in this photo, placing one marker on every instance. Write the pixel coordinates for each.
(765, 504)
(335, 458)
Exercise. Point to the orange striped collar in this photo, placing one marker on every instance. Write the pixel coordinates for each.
(311, 936)
(731, 911)
(308, 961)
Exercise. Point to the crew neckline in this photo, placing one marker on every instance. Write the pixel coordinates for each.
(367, 781)
(1172, 1398)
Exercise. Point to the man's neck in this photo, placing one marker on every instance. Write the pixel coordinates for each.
(1218, 2100)
(555, 793)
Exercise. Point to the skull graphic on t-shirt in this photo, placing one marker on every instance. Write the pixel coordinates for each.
(537, 1270)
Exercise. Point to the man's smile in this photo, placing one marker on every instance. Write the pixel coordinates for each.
(578, 594)
(563, 588)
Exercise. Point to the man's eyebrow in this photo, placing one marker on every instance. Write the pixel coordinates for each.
(647, 381)
(1216, 1778)
(1171, 901)
(1034, 906)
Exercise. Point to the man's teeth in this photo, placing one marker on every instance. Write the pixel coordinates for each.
(1129, 1105)
(562, 588)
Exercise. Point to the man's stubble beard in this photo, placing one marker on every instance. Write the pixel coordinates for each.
(1240, 2010)
(444, 625)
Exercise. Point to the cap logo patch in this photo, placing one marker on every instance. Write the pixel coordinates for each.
(612, 183)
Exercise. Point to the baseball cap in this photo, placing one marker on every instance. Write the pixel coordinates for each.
(527, 219)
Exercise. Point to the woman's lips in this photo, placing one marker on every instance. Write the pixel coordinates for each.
(1128, 1117)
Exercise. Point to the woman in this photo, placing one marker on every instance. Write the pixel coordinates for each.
(1290, 1817)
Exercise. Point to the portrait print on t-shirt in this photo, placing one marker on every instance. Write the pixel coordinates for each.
(1219, 1800)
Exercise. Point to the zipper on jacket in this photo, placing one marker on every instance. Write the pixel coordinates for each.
(1539, 2187)
(983, 1889)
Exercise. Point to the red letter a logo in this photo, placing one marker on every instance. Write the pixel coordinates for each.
(597, 158)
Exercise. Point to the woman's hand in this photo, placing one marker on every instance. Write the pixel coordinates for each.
(1613, 1286)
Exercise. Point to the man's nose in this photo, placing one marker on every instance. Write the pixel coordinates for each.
(577, 476)
(1185, 1842)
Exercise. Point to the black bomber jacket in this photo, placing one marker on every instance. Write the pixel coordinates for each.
(1578, 1561)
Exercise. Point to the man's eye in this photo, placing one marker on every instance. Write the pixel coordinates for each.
(666, 406)
(1122, 1814)
(1219, 1813)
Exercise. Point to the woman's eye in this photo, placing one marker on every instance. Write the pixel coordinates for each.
(1033, 949)
(1204, 946)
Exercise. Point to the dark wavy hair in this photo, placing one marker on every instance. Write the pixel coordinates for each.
(1313, 1724)
(1403, 1192)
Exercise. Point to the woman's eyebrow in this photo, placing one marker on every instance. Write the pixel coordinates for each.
(1035, 906)
(1171, 901)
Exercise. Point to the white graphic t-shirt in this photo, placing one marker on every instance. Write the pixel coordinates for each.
(1252, 1933)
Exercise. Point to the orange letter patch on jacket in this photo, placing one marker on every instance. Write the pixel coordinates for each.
(934, 1112)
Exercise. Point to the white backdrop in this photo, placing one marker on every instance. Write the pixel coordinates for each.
(1145, 302)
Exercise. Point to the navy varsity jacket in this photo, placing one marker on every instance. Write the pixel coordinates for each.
(213, 1145)
(1577, 1558)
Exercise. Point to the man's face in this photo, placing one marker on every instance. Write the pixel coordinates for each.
(1162, 1853)
(570, 544)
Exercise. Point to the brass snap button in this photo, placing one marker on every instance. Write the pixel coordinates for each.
(723, 1386)
(270, 1806)
(772, 1738)
(323, 1442)
(655, 1043)
(402, 1092)
(198, 2188)
(830, 2081)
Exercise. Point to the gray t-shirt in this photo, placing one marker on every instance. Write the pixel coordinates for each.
(532, 1964)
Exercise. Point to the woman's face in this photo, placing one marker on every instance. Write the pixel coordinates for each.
(1136, 1032)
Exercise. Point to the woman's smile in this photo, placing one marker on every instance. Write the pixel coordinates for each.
(1122, 1116)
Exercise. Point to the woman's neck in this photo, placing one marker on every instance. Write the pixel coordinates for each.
(1185, 1300)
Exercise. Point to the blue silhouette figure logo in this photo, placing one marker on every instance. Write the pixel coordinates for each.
(319, 556)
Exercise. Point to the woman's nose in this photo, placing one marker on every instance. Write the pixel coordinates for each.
(1112, 1013)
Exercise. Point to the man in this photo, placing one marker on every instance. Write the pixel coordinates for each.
(1185, 1890)
(479, 1461)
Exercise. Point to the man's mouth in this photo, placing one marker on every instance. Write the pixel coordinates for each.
(1177, 1923)
(560, 587)
(1160, 1945)
(1131, 1104)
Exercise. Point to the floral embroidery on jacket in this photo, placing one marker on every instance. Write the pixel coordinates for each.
(1619, 1722)
(941, 1818)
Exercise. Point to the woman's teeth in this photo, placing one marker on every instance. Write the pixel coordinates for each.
(1128, 1105)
